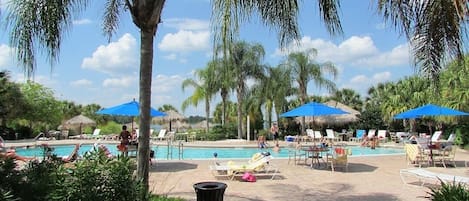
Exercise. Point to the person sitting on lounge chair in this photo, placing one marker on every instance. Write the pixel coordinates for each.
(11, 153)
(73, 155)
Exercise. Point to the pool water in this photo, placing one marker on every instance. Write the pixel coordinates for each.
(162, 152)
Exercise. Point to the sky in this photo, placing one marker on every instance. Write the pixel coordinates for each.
(92, 69)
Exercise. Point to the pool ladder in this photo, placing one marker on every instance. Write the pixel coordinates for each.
(180, 146)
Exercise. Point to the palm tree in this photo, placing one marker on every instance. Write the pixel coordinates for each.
(40, 25)
(436, 29)
(205, 88)
(225, 82)
(348, 97)
(245, 61)
(304, 69)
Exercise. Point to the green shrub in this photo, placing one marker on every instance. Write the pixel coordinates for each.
(453, 191)
(99, 178)
(110, 128)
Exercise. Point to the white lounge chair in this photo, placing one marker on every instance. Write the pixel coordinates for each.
(161, 134)
(424, 176)
(331, 135)
(436, 136)
(382, 135)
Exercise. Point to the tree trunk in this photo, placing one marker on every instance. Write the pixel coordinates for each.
(146, 63)
(207, 112)
(240, 111)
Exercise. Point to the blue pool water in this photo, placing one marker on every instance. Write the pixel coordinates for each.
(201, 153)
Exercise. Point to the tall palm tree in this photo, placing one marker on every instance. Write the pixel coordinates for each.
(225, 83)
(304, 69)
(204, 87)
(436, 29)
(245, 61)
(39, 25)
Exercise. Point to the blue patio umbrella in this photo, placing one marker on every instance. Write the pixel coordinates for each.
(128, 109)
(131, 108)
(429, 110)
(313, 109)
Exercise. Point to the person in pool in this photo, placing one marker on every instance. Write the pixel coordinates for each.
(261, 142)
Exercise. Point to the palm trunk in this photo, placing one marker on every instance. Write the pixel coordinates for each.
(146, 63)
(207, 113)
(239, 111)
(224, 97)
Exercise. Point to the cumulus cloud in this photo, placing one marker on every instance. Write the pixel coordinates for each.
(185, 41)
(355, 51)
(114, 57)
(361, 83)
(121, 82)
(82, 21)
(165, 84)
(81, 83)
(187, 24)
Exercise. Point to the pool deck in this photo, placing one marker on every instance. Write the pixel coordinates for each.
(367, 178)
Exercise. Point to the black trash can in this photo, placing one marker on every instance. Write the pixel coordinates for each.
(210, 191)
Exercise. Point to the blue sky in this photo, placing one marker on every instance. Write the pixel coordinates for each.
(91, 70)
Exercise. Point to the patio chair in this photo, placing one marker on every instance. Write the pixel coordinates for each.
(416, 155)
(445, 155)
(338, 158)
(359, 136)
(424, 175)
(295, 154)
(331, 135)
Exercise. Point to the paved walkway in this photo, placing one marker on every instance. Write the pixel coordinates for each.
(368, 178)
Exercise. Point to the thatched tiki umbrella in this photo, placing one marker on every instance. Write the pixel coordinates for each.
(80, 120)
(172, 115)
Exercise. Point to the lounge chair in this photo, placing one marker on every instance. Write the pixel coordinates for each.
(359, 136)
(382, 135)
(436, 136)
(318, 135)
(258, 167)
(424, 175)
(310, 134)
(161, 134)
(338, 158)
(331, 135)
(73, 156)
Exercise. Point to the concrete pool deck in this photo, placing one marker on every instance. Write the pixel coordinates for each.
(367, 178)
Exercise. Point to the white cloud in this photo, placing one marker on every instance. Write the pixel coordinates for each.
(185, 41)
(82, 21)
(6, 55)
(359, 79)
(115, 57)
(355, 51)
(81, 83)
(187, 24)
(122, 82)
(381, 77)
(397, 56)
(170, 56)
(165, 84)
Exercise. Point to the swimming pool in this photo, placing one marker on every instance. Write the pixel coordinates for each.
(163, 153)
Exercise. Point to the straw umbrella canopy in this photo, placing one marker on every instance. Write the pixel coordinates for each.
(172, 115)
(351, 115)
(79, 120)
